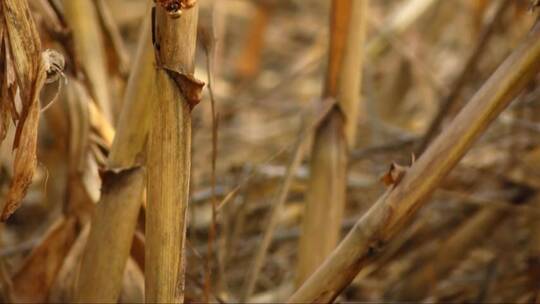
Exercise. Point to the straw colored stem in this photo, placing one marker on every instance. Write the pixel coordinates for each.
(114, 221)
(325, 201)
(169, 158)
(398, 205)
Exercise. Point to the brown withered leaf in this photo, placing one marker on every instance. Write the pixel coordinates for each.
(33, 280)
(25, 69)
(24, 164)
(190, 87)
(5, 114)
(7, 85)
(24, 47)
(10, 85)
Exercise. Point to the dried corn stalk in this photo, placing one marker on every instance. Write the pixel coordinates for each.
(169, 149)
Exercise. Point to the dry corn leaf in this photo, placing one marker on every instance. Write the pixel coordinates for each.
(34, 279)
(4, 109)
(8, 89)
(62, 291)
(83, 167)
(24, 163)
(25, 68)
(24, 47)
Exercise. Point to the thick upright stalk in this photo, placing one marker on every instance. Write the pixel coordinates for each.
(83, 19)
(113, 224)
(399, 204)
(169, 153)
(325, 201)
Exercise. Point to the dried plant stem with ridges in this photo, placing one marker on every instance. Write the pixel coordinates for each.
(114, 221)
(169, 154)
(398, 205)
(325, 201)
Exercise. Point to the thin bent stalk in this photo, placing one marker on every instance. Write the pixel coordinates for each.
(399, 204)
(325, 201)
(83, 19)
(114, 221)
(169, 154)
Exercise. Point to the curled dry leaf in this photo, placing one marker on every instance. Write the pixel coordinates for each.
(190, 87)
(54, 65)
(24, 73)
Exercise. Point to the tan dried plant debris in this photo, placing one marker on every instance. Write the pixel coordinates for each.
(24, 72)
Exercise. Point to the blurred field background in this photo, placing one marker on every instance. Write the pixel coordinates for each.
(476, 241)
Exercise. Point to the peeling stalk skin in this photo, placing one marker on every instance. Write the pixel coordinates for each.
(169, 153)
